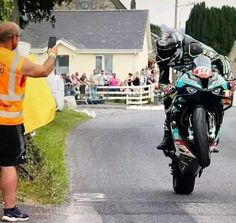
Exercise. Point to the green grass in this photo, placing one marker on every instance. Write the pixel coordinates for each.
(46, 152)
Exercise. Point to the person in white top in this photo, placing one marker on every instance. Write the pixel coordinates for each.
(93, 79)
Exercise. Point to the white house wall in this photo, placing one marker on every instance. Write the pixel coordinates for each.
(123, 63)
(143, 56)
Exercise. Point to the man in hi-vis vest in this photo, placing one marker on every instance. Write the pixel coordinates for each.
(13, 72)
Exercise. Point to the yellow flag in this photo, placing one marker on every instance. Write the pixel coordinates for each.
(39, 104)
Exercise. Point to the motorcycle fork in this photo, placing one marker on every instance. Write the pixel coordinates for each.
(211, 127)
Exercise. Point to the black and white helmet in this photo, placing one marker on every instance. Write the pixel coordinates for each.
(169, 46)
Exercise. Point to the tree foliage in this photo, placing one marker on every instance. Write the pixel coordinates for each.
(26, 11)
(6, 7)
(155, 29)
(213, 26)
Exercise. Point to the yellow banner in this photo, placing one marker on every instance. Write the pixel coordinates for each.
(39, 104)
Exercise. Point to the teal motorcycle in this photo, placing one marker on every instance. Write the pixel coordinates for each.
(196, 117)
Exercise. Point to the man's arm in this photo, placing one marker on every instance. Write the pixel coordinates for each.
(35, 70)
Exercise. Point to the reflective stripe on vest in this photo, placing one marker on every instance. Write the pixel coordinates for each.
(11, 88)
(13, 114)
(8, 114)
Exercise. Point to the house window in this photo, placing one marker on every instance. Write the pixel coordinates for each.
(104, 62)
(62, 64)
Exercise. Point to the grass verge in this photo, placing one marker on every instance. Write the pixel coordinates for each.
(46, 152)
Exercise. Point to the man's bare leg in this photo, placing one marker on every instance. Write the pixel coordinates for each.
(8, 184)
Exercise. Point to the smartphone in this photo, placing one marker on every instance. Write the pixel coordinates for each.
(52, 41)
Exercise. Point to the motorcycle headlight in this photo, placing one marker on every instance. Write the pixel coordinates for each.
(216, 91)
(191, 90)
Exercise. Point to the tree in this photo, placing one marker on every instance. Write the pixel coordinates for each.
(6, 7)
(26, 11)
(213, 26)
(155, 29)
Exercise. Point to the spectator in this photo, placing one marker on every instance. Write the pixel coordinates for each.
(102, 80)
(94, 84)
(150, 79)
(122, 88)
(136, 81)
(67, 83)
(74, 85)
(113, 81)
(77, 77)
(14, 70)
(83, 82)
(143, 77)
(129, 79)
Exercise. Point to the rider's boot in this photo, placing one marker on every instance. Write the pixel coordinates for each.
(167, 143)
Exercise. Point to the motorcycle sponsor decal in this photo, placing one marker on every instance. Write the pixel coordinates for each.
(182, 147)
(202, 72)
(186, 80)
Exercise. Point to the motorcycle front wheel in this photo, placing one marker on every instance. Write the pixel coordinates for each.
(182, 183)
(201, 143)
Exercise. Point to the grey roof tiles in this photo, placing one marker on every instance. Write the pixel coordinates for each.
(116, 29)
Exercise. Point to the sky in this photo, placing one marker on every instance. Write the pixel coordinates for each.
(163, 11)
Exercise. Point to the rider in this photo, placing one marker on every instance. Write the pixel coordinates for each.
(177, 50)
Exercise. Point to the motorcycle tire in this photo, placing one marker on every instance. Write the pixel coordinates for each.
(182, 183)
(201, 143)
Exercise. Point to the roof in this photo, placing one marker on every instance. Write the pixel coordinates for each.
(116, 29)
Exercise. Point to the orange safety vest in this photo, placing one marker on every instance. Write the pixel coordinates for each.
(12, 88)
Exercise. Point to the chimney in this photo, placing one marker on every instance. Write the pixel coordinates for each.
(133, 4)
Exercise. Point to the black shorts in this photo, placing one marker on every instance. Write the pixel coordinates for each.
(12, 145)
(82, 89)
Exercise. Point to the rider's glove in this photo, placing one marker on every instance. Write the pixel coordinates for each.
(168, 89)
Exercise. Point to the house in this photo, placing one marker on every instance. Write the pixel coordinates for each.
(91, 5)
(232, 58)
(117, 41)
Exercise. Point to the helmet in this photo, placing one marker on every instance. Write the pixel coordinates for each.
(169, 46)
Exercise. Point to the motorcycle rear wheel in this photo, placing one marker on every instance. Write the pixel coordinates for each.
(182, 183)
(202, 151)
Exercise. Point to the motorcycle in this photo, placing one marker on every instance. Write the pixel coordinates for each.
(196, 116)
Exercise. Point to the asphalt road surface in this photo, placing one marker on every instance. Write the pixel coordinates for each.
(117, 175)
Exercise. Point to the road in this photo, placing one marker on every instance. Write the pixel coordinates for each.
(117, 175)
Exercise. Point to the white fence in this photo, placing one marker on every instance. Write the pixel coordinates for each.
(132, 95)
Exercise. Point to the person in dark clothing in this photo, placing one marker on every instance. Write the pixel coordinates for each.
(136, 81)
(177, 50)
(83, 83)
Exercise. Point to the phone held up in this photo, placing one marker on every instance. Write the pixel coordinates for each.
(52, 41)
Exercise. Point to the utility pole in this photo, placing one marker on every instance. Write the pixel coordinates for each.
(173, 73)
(176, 11)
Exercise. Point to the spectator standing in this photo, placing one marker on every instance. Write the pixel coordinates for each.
(151, 79)
(113, 81)
(74, 85)
(129, 79)
(94, 84)
(67, 83)
(136, 81)
(77, 77)
(83, 82)
(14, 70)
(102, 80)
(143, 77)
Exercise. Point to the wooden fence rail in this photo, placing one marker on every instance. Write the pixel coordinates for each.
(132, 95)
